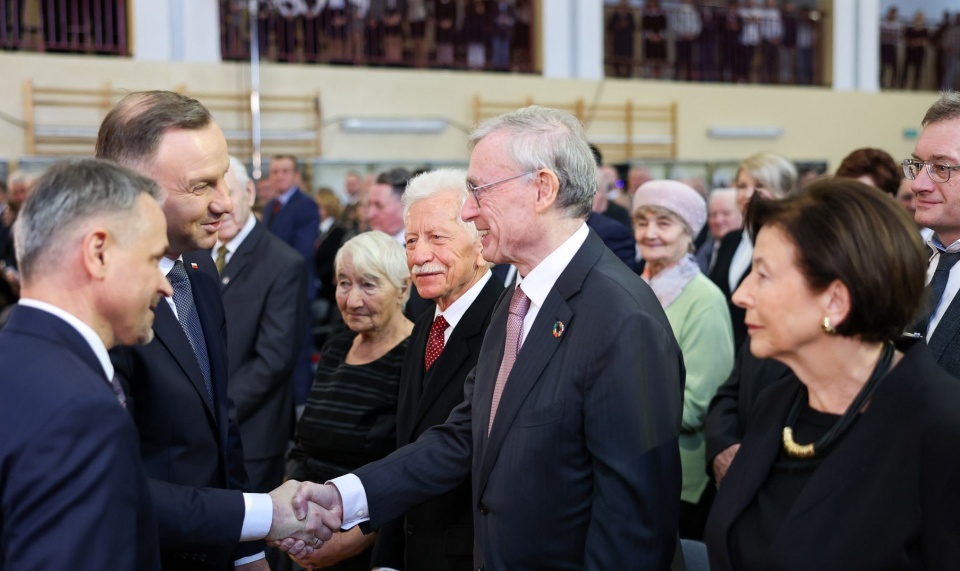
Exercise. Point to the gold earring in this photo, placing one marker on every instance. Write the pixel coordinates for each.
(828, 327)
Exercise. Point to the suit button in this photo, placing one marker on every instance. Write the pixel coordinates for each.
(484, 510)
(409, 529)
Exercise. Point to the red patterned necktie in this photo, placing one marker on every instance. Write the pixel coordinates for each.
(435, 341)
(519, 304)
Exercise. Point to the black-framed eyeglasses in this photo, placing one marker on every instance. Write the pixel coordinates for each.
(938, 172)
(477, 190)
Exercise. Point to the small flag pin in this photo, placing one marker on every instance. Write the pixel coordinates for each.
(194, 265)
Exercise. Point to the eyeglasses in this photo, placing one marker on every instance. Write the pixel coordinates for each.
(476, 190)
(938, 172)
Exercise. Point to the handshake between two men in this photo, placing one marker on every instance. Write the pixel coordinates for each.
(305, 515)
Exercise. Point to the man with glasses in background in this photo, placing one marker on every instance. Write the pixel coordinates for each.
(936, 185)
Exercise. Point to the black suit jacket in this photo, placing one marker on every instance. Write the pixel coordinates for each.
(886, 495)
(437, 534)
(581, 469)
(721, 276)
(264, 296)
(71, 479)
(190, 449)
(733, 404)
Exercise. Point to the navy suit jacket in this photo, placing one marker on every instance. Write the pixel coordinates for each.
(616, 236)
(437, 534)
(297, 224)
(191, 450)
(581, 469)
(264, 295)
(72, 486)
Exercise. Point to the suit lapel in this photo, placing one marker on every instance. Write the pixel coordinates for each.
(169, 333)
(537, 349)
(413, 374)
(241, 257)
(946, 330)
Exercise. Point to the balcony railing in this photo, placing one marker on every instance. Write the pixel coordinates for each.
(71, 26)
(477, 35)
(696, 42)
(917, 55)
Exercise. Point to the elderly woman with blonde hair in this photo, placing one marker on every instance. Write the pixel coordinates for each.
(667, 216)
(350, 417)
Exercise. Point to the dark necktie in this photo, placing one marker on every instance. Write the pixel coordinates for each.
(118, 390)
(519, 304)
(939, 283)
(275, 211)
(435, 341)
(190, 321)
(221, 261)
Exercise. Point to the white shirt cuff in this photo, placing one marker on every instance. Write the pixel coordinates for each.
(258, 516)
(250, 559)
(354, 500)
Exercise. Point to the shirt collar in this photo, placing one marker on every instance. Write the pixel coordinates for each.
(538, 283)
(85, 331)
(937, 246)
(285, 197)
(458, 308)
(233, 244)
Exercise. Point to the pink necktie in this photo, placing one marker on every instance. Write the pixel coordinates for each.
(519, 304)
(435, 341)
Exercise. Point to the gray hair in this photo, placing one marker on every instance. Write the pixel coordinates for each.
(239, 171)
(66, 196)
(730, 193)
(773, 172)
(540, 137)
(943, 109)
(431, 183)
(377, 254)
(22, 177)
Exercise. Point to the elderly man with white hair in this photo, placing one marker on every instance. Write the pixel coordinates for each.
(723, 216)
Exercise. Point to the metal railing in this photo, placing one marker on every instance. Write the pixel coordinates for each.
(69, 26)
(917, 55)
(477, 35)
(696, 42)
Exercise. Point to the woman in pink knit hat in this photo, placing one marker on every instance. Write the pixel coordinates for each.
(667, 215)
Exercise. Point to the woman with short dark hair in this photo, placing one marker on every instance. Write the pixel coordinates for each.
(849, 462)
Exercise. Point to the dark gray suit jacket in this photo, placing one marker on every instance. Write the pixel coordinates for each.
(581, 469)
(264, 298)
(439, 533)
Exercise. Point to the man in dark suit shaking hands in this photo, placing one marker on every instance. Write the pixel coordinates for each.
(570, 440)
(88, 241)
(177, 384)
(443, 253)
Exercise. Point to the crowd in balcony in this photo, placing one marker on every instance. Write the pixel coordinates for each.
(700, 41)
(69, 26)
(907, 46)
(492, 35)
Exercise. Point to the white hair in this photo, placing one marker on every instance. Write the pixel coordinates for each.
(432, 183)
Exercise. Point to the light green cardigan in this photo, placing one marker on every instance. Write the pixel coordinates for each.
(701, 323)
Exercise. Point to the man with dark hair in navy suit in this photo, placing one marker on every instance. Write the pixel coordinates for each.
(177, 384)
(294, 217)
(71, 478)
